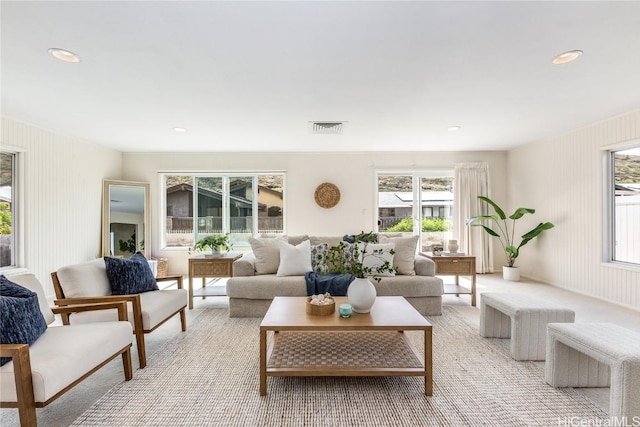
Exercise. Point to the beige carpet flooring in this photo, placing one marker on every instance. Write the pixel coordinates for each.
(218, 381)
(209, 377)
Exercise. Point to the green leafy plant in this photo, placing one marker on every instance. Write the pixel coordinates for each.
(5, 218)
(214, 242)
(428, 224)
(339, 261)
(506, 230)
(130, 244)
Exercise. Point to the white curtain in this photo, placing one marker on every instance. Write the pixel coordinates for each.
(472, 180)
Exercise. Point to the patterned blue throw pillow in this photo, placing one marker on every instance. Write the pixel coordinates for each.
(318, 256)
(21, 321)
(130, 276)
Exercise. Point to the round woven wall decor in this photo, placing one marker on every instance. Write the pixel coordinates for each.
(327, 195)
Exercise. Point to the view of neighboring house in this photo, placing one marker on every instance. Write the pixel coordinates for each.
(396, 205)
(180, 209)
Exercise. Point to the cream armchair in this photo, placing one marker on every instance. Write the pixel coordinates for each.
(88, 283)
(62, 356)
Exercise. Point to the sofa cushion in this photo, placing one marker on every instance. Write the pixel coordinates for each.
(21, 321)
(375, 255)
(266, 286)
(130, 276)
(404, 258)
(294, 259)
(267, 253)
(329, 240)
(294, 240)
(87, 279)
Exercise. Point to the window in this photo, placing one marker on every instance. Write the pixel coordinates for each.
(624, 205)
(241, 205)
(8, 205)
(425, 196)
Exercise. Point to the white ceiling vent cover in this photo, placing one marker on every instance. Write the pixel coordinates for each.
(327, 128)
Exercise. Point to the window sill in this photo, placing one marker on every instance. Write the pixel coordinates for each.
(13, 271)
(622, 266)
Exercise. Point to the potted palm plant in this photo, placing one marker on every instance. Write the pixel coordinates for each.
(505, 231)
(215, 243)
(355, 259)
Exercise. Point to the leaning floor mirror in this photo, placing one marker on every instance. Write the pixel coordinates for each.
(125, 218)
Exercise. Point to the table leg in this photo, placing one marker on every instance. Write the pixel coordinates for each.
(263, 362)
(190, 292)
(473, 289)
(428, 363)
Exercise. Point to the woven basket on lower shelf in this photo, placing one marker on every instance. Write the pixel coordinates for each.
(162, 266)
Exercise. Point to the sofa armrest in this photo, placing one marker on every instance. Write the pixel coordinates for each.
(245, 266)
(424, 266)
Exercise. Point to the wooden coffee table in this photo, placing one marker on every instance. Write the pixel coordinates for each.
(370, 344)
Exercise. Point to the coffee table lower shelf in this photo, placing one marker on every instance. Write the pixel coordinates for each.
(344, 353)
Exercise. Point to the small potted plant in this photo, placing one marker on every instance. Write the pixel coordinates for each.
(215, 243)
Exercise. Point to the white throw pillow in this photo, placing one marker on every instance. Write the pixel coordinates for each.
(374, 260)
(404, 258)
(294, 260)
(267, 253)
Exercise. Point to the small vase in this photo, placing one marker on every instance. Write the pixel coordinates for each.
(453, 246)
(362, 295)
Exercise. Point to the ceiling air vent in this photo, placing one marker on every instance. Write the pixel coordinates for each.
(327, 128)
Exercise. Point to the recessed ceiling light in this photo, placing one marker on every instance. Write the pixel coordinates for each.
(567, 57)
(64, 55)
(453, 128)
(179, 129)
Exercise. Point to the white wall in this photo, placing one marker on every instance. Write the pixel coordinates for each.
(63, 196)
(562, 179)
(353, 173)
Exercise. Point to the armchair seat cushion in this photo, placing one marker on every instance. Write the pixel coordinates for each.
(156, 307)
(64, 354)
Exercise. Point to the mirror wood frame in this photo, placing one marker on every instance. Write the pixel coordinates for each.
(106, 213)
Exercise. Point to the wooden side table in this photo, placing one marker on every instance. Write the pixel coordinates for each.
(209, 266)
(456, 266)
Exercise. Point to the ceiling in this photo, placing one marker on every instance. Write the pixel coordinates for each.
(251, 76)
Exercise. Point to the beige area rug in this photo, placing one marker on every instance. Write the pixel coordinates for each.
(210, 377)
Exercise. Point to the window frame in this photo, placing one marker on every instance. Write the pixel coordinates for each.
(609, 205)
(17, 207)
(417, 175)
(225, 176)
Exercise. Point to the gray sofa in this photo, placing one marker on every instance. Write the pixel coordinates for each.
(250, 294)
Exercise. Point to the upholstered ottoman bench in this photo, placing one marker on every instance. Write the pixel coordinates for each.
(597, 355)
(521, 318)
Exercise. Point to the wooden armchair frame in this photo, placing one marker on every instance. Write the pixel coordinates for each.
(138, 328)
(19, 354)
